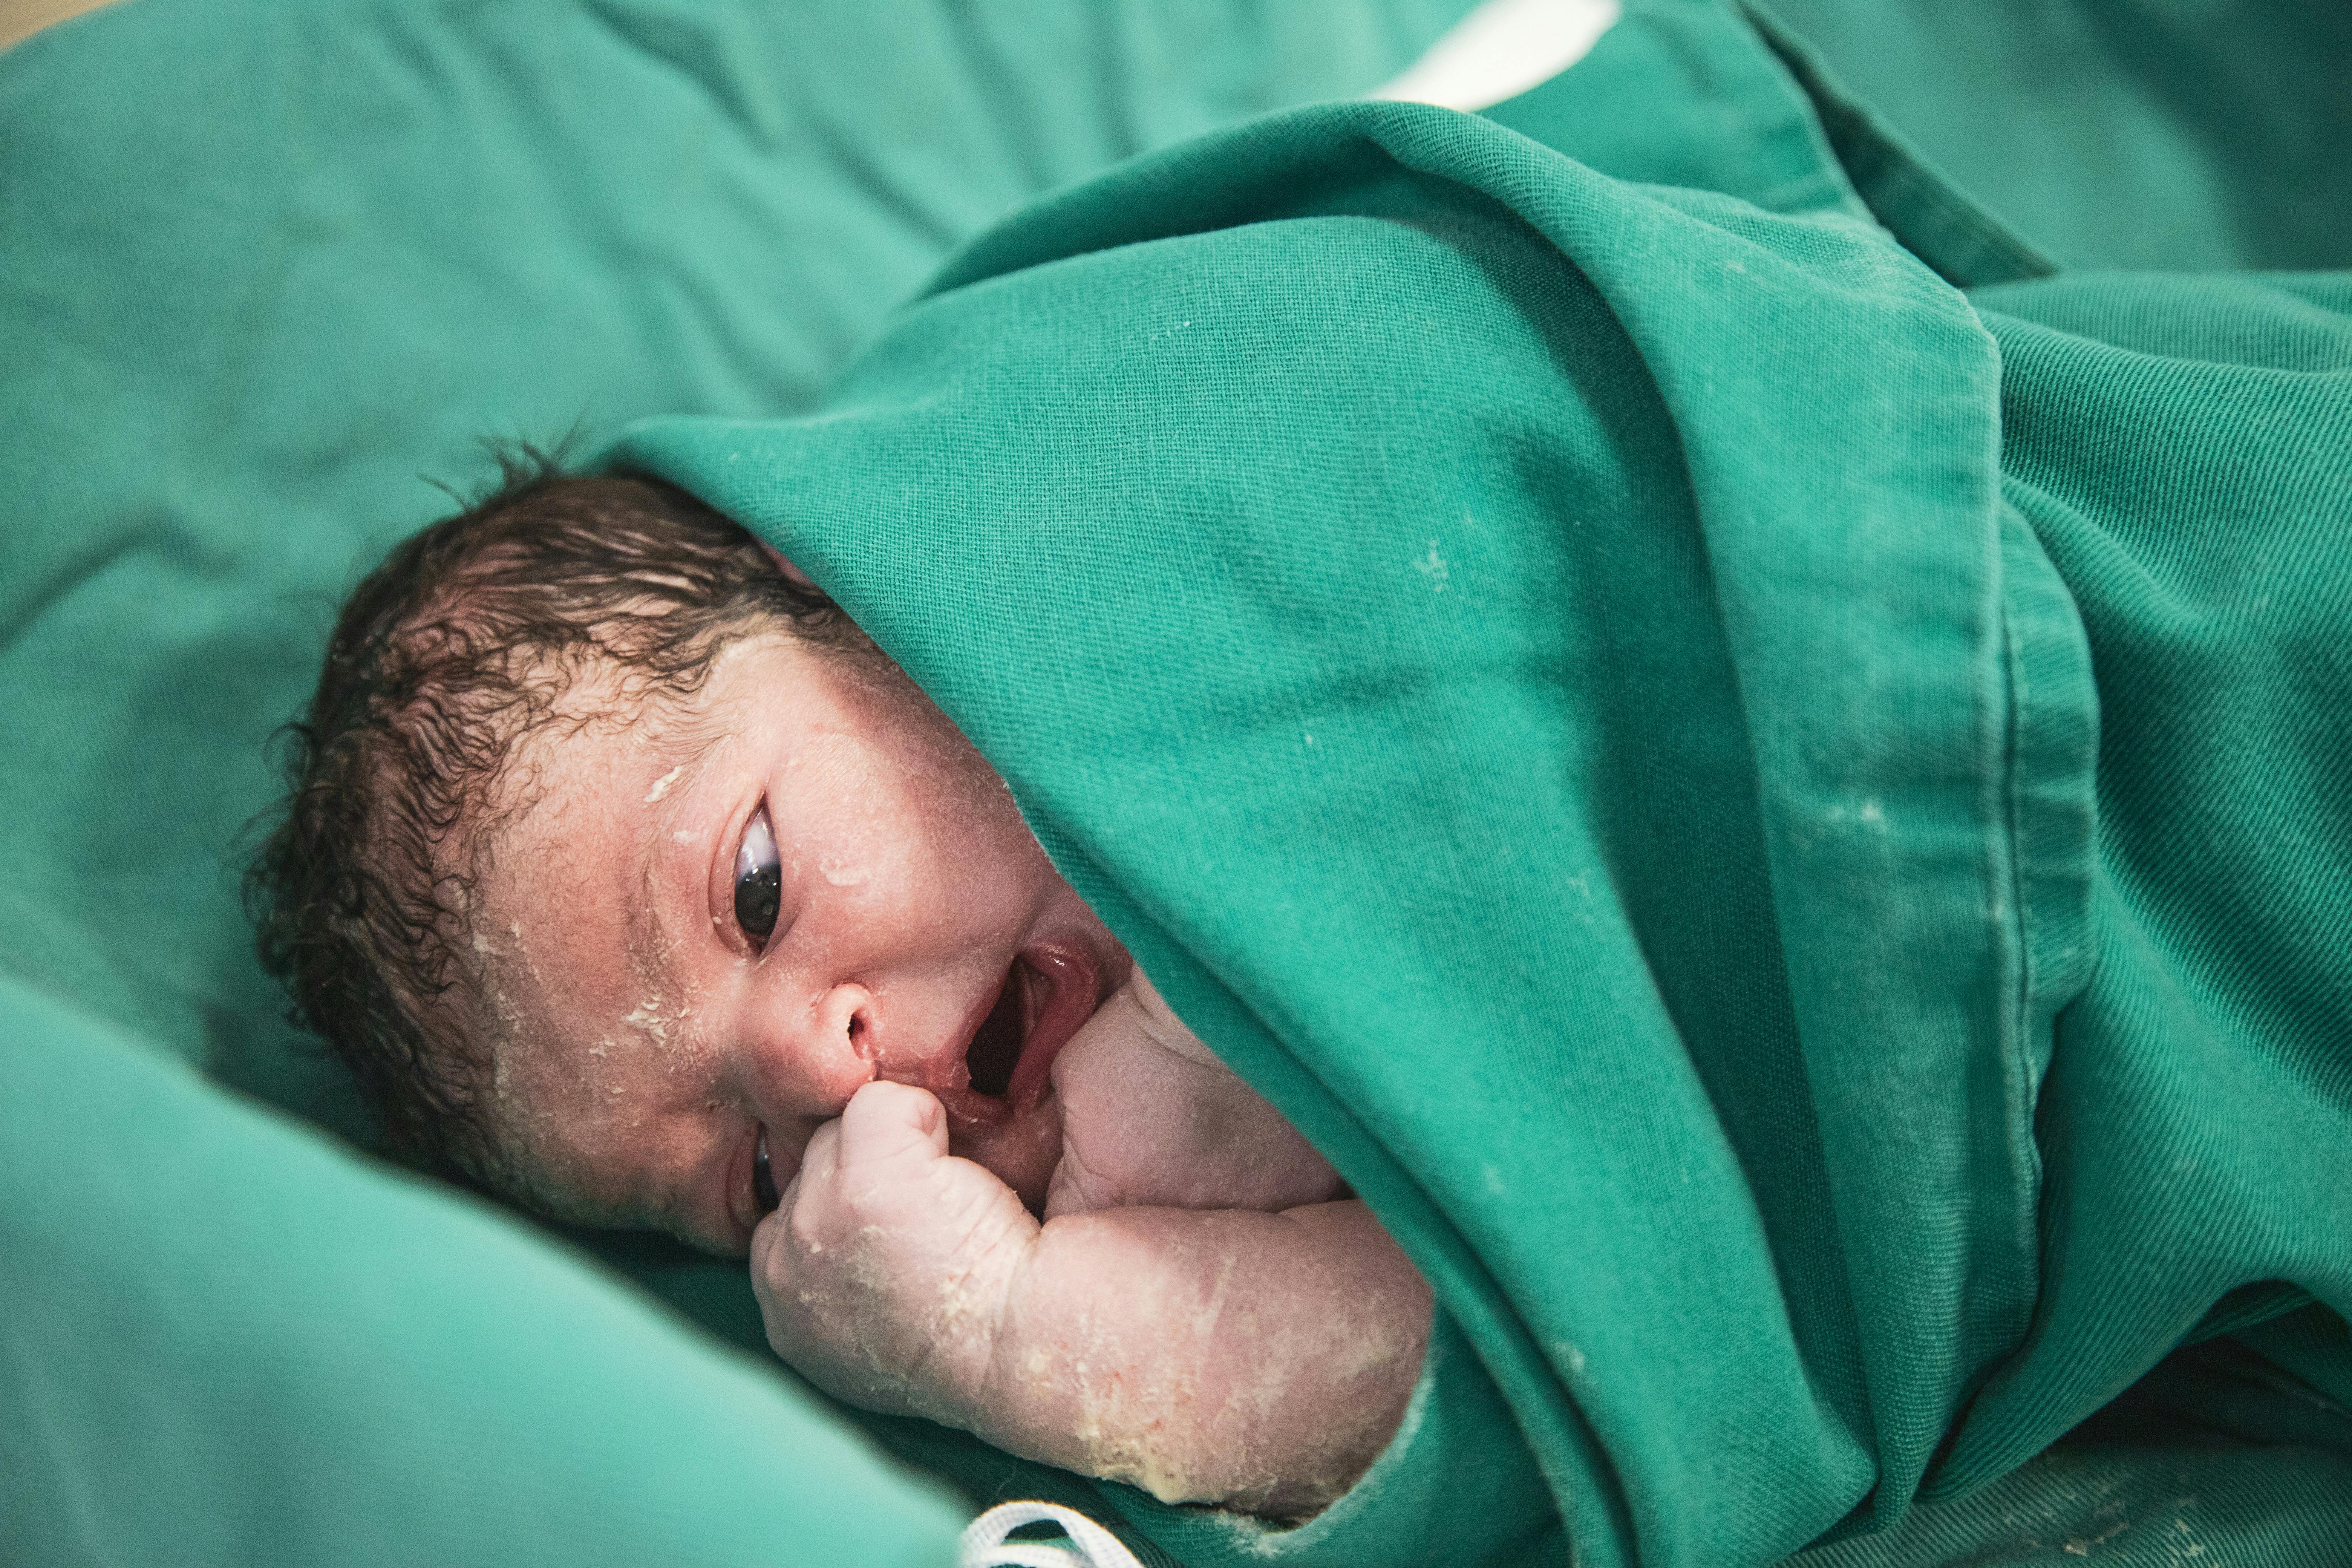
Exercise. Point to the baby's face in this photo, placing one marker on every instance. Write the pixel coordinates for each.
(726, 916)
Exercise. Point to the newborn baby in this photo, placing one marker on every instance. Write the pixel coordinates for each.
(637, 886)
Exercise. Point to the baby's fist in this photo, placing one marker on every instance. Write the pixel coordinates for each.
(883, 1274)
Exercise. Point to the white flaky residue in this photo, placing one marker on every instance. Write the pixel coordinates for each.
(661, 784)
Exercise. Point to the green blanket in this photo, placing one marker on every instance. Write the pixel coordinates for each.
(262, 265)
(265, 268)
(1782, 825)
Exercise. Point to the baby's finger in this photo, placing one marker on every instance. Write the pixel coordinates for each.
(766, 1237)
(892, 1121)
(771, 1263)
(773, 1239)
(820, 1165)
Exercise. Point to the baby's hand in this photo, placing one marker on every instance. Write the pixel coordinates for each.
(884, 1273)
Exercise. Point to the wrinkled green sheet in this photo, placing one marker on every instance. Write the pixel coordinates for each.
(262, 266)
(2179, 135)
(1783, 824)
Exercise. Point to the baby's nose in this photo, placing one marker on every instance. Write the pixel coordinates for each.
(828, 1053)
(844, 1017)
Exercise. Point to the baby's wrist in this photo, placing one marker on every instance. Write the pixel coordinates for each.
(969, 1329)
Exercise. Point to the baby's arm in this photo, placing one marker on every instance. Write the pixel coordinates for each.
(1256, 1360)
(1151, 1119)
(1210, 1355)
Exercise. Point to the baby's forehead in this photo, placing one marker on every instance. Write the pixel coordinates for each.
(588, 796)
(602, 751)
(560, 926)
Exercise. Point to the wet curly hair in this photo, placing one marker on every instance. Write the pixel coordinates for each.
(446, 657)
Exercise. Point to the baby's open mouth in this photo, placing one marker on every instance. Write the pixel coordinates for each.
(996, 1045)
(1046, 994)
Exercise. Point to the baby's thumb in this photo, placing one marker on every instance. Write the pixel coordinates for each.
(892, 1120)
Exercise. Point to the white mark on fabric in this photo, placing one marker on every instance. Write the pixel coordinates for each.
(1500, 49)
(1433, 566)
(1870, 813)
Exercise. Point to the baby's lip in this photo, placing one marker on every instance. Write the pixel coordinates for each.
(1065, 989)
(1060, 988)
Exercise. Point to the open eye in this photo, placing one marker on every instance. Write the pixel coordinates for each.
(764, 1197)
(759, 879)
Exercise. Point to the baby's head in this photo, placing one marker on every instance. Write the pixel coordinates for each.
(617, 857)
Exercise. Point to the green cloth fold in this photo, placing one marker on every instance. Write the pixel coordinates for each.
(1565, 686)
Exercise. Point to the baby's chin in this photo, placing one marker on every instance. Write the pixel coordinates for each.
(1021, 1149)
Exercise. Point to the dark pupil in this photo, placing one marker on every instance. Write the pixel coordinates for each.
(763, 1180)
(757, 893)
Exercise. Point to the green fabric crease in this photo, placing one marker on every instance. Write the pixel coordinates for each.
(1577, 690)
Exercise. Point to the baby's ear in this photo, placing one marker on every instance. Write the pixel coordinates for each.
(792, 572)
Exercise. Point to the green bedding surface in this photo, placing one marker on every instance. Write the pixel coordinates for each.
(263, 271)
(1782, 822)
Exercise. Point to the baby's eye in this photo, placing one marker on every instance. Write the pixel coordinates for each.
(759, 879)
(764, 1197)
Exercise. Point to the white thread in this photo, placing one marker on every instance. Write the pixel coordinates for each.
(1089, 1545)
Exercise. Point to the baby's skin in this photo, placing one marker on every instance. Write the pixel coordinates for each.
(791, 927)
(1202, 1311)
